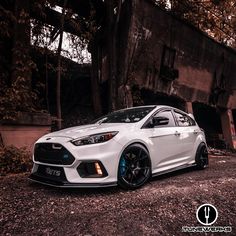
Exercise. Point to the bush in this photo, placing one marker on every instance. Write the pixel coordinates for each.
(14, 160)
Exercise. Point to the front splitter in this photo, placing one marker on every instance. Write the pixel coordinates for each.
(66, 184)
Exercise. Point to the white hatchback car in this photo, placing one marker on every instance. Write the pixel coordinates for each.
(125, 147)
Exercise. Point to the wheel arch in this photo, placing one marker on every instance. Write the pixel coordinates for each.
(140, 142)
(143, 144)
(201, 144)
(197, 158)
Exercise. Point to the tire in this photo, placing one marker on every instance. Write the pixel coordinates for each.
(134, 168)
(201, 158)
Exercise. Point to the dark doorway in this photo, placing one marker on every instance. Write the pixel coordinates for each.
(151, 98)
(208, 118)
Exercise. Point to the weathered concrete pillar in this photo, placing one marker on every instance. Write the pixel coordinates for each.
(189, 107)
(228, 129)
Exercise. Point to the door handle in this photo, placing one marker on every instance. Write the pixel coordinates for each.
(177, 133)
(195, 131)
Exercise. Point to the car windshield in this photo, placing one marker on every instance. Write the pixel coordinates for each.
(131, 115)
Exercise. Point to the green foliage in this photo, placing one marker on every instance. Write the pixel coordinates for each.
(215, 17)
(14, 160)
(16, 94)
(16, 98)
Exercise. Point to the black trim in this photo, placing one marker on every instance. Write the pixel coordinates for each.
(66, 184)
(173, 110)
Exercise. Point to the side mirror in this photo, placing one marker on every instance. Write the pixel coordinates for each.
(160, 120)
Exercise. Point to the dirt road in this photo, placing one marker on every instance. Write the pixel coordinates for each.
(162, 207)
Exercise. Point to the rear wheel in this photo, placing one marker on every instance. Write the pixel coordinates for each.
(134, 167)
(202, 157)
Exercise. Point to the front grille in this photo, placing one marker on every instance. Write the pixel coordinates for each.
(52, 153)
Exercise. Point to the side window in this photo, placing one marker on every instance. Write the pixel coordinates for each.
(166, 117)
(184, 120)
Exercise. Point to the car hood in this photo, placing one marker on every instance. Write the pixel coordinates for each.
(85, 130)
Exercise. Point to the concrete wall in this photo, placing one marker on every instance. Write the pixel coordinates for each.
(21, 135)
(25, 129)
(207, 69)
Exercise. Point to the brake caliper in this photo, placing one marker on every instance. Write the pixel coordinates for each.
(123, 166)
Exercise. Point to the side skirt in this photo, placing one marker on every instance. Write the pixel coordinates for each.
(173, 169)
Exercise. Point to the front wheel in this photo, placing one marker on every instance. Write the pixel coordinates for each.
(134, 167)
(202, 157)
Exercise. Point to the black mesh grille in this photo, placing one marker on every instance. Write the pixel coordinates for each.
(52, 153)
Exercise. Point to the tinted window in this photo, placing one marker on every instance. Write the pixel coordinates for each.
(166, 114)
(184, 120)
(126, 116)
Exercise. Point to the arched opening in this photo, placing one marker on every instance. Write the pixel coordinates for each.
(150, 98)
(208, 118)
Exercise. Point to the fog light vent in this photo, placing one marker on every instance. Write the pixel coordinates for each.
(91, 169)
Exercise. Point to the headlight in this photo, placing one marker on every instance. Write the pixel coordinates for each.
(95, 138)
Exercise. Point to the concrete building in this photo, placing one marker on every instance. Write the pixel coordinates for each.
(174, 63)
(160, 60)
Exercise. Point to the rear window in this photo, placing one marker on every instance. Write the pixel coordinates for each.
(184, 120)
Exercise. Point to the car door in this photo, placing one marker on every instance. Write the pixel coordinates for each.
(166, 143)
(188, 131)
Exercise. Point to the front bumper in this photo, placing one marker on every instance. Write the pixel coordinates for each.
(107, 153)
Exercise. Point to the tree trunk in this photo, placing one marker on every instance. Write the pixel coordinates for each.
(58, 86)
(113, 21)
(96, 98)
(110, 38)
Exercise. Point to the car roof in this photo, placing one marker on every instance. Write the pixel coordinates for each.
(155, 108)
(151, 106)
(158, 107)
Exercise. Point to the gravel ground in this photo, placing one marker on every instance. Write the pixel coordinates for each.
(161, 207)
